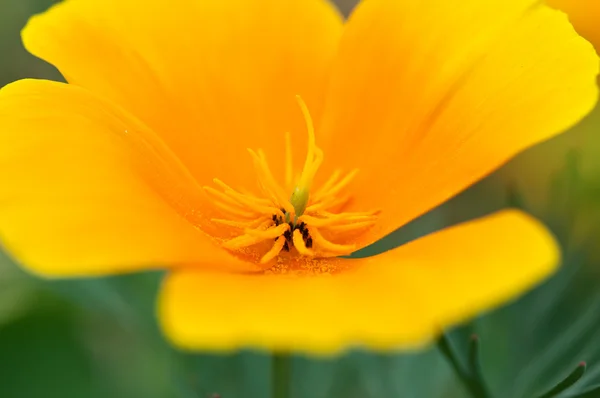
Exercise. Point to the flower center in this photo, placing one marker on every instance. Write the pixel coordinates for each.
(306, 222)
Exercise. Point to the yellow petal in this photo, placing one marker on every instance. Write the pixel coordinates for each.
(211, 77)
(585, 16)
(428, 97)
(399, 299)
(86, 189)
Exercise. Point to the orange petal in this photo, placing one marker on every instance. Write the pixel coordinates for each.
(399, 299)
(211, 77)
(430, 96)
(86, 189)
(585, 16)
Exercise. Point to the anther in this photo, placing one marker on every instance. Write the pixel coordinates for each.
(309, 242)
(275, 250)
(304, 233)
(300, 245)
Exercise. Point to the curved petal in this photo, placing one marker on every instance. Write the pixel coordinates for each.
(399, 299)
(584, 14)
(429, 96)
(211, 77)
(86, 189)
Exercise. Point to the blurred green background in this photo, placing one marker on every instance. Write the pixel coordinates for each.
(99, 338)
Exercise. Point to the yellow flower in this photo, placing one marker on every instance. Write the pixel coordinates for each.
(142, 161)
(585, 16)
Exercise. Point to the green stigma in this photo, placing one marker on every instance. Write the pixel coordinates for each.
(299, 200)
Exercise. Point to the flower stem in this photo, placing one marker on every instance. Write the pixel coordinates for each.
(281, 375)
(471, 380)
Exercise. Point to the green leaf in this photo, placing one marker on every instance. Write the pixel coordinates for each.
(569, 381)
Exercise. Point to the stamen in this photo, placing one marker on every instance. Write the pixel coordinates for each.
(232, 210)
(235, 208)
(268, 181)
(246, 195)
(246, 200)
(220, 195)
(318, 160)
(331, 192)
(299, 244)
(332, 248)
(328, 184)
(304, 220)
(254, 236)
(275, 250)
(270, 233)
(260, 174)
(328, 203)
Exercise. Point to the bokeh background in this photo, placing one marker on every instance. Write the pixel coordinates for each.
(99, 337)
